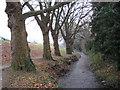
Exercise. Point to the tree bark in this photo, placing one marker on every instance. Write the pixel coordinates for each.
(21, 59)
(56, 45)
(69, 48)
(46, 46)
(68, 41)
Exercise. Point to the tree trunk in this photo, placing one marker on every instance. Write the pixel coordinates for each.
(21, 59)
(69, 49)
(46, 47)
(56, 45)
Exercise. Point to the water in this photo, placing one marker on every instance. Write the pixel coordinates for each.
(80, 76)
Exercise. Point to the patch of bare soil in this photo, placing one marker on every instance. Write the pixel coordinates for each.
(36, 51)
(6, 53)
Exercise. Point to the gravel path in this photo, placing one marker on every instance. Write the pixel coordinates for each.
(80, 75)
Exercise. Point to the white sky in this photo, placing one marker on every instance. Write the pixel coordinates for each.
(33, 30)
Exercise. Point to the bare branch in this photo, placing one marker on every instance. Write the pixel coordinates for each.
(34, 13)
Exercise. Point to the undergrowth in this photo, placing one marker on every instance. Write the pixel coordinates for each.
(105, 70)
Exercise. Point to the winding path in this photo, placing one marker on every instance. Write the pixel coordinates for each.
(80, 75)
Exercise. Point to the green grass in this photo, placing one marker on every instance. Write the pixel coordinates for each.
(60, 86)
(62, 49)
(37, 44)
(105, 70)
(5, 41)
(51, 46)
(96, 59)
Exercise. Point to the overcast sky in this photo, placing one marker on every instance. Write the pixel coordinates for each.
(33, 30)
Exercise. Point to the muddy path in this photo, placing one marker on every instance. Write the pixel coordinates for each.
(80, 75)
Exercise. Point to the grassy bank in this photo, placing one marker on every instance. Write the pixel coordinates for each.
(105, 70)
(47, 73)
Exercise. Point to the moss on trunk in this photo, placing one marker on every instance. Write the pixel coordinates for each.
(21, 59)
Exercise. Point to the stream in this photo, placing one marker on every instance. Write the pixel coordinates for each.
(80, 75)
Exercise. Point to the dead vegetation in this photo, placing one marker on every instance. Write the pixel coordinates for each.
(46, 75)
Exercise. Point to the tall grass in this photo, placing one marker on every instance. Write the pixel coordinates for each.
(96, 59)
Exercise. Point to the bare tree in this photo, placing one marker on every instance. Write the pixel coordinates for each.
(43, 21)
(73, 23)
(81, 37)
(56, 24)
(21, 59)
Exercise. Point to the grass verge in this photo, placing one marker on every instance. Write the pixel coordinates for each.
(47, 72)
(105, 70)
(46, 75)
